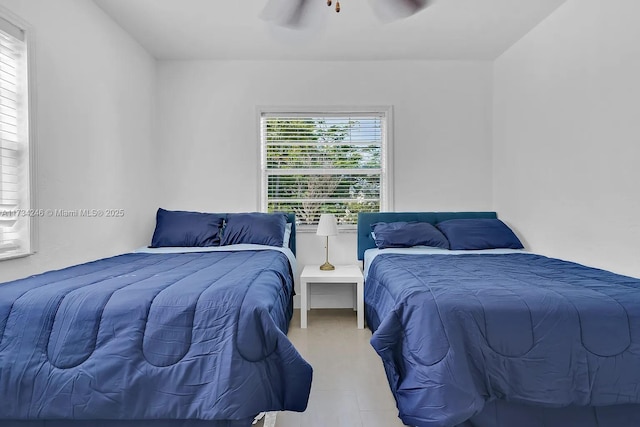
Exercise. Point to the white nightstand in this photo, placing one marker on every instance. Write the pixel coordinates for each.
(349, 274)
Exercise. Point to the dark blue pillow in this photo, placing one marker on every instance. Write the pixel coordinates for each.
(181, 228)
(406, 234)
(479, 234)
(254, 227)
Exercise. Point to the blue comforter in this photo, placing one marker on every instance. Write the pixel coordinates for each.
(152, 336)
(457, 331)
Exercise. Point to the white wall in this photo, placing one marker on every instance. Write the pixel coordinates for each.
(117, 130)
(209, 142)
(567, 135)
(94, 108)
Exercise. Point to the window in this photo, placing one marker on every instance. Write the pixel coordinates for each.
(15, 213)
(325, 162)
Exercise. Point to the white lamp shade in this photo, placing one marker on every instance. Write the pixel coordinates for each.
(327, 226)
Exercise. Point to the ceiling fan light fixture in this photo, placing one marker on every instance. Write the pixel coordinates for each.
(297, 13)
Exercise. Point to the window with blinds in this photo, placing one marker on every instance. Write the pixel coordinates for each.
(15, 214)
(315, 163)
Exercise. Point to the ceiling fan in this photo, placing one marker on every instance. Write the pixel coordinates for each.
(292, 13)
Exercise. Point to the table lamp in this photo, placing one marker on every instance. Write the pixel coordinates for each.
(327, 226)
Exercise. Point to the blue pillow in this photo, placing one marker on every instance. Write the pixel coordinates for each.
(479, 234)
(254, 227)
(406, 234)
(181, 228)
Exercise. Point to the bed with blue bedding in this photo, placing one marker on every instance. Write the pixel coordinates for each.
(189, 337)
(501, 338)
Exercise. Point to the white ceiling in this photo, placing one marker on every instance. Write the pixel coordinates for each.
(234, 29)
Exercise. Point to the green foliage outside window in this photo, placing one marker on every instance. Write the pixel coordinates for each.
(317, 166)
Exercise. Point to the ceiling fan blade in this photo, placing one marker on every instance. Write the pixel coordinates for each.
(391, 10)
(286, 13)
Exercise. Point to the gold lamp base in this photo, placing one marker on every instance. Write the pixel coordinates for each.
(326, 266)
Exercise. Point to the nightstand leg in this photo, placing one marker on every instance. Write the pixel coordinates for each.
(304, 303)
(360, 298)
(355, 297)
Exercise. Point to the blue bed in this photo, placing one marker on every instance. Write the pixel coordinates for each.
(152, 339)
(502, 340)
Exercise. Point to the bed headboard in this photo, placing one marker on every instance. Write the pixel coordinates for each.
(291, 218)
(365, 219)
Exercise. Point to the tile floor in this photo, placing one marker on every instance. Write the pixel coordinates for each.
(349, 386)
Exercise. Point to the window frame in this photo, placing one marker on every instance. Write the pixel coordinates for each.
(386, 160)
(30, 129)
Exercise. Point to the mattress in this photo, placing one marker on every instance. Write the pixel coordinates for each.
(461, 335)
(195, 337)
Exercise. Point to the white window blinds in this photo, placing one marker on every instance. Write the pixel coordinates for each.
(314, 163)
(15, 215)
